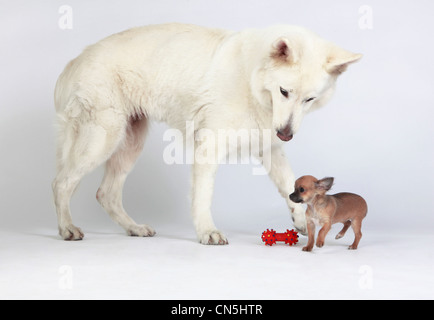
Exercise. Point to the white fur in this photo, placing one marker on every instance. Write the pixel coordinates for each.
(177, 73)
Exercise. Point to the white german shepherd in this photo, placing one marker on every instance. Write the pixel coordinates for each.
(254, 79)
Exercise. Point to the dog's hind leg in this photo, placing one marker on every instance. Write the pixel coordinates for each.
(347, 224)
(83, 145)
(356, 224)
(117, 168)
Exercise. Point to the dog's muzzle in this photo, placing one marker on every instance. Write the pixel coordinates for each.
(295, 198)
(285, 134)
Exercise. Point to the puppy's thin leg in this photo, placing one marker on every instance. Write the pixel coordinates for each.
(347, 224)
(281, 174)
(202, 190)
(311, 236)
(322, 234)
(84, 146)
(117, 168)
(356, 224)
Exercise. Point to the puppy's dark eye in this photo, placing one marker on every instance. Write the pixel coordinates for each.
(310, 99)
(301, 190)
(284, 92)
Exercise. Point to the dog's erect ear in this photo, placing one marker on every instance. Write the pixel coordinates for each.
(324, 184)
(282, 51)
(339, 59)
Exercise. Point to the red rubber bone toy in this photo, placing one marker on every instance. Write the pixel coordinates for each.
(289, 237)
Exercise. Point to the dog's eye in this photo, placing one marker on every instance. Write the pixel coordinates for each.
(309, 100)
(284, 92)
(301, 190)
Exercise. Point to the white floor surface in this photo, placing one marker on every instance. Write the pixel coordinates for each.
(172, 265)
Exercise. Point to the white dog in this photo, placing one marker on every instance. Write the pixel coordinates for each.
(254, 79)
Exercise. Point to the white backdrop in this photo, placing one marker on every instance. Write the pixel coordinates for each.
(375, 137)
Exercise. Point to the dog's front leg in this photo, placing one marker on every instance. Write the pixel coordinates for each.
(311, 236)
(322, 234)
(281, 174)
(202, 189)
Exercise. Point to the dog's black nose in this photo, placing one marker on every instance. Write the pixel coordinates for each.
(284, 137)
(285, 134)
(294, 198)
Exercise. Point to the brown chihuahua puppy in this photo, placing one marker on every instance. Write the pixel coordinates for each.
(325, 210)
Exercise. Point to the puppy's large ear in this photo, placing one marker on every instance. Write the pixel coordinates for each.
(325, 183)
(339, 59)
(282, 52)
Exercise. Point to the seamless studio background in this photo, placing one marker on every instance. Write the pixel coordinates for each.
(375, 136)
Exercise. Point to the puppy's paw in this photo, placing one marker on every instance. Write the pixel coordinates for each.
(213, 237)
(339, 235)
(71, 233)
(140, 230)
(319, 243)
(307, 248)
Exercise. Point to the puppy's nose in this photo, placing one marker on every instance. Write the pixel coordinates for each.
(295, 198)
(285, 134)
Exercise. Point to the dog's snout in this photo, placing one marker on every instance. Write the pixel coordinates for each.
(285, 134)
(294, 197)
(284, 137)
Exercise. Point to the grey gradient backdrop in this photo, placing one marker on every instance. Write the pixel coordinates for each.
(375, 137)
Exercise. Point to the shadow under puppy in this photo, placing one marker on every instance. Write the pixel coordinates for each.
(325, 210)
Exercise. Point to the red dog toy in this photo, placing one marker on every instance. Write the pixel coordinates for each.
(289, 237)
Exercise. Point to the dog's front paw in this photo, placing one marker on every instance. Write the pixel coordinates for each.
(214, 237)
(299, 219)
(307, 248)
(319, 243)
(140, 230)
(71, 233)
